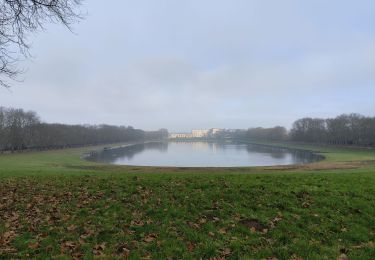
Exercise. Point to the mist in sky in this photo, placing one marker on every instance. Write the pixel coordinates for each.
(202, 64)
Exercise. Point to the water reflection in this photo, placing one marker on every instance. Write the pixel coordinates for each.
(127, 152)
(200, 154)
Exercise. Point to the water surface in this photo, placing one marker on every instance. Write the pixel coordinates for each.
(202, 154)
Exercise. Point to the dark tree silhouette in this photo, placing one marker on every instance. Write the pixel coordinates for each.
(19, 18)
(22, 130)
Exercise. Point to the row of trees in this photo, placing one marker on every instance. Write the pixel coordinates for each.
(352, 129)
(277, 133)
(20, 130)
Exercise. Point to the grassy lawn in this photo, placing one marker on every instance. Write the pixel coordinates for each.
(54, 204)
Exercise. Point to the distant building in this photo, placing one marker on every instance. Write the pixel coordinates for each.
(196, 133)
(180, 135)
(215, 130)
(200, 133)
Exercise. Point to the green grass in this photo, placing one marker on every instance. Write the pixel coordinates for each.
(54, 204)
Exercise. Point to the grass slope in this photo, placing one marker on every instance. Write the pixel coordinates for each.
(53, 204)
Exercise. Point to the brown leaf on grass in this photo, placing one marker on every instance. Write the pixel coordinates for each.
(98, 249)
(34, 245)
(123, 250)
(7, 237)
(67, 246)
(215, 205)
(222, 231)
(137, 223)
(87, 233)
(150, 237)
(215, 219)
(65, 217)
(363, 245)
(71, 228)
(296, 257)
(306, 204)
(147, 256)
(343, 257)
(202, 220)
(273, 222)
(42, 235)
(78, 255)
(226, 252)
(129, 231)
(191, 246)
(193, 225)
(237, 217)
(211, 234)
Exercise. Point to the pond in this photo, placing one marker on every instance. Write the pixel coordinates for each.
(202, 154)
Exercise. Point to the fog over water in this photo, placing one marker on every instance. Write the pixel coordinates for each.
(201, 64)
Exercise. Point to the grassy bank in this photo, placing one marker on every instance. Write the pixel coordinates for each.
(54, 204)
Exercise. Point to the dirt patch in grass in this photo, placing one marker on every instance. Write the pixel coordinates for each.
(333, 166)
(254, 225)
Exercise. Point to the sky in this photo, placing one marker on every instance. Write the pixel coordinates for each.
(192, 64)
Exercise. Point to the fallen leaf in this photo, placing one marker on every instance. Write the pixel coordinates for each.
(343, 257)
(34, 245)
(149, 238)
(191, 246)
(222, 231)
(215, 219)
(72, 228)
(98, 249)
(137, 223)
(123, 250)
(226, 252)
(369, 244)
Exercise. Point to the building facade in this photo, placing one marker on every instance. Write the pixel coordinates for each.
(196, 133)
(200, 133)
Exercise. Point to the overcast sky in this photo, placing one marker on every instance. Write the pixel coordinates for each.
(202, 64)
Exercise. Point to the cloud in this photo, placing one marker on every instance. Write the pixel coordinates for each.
(203, 64)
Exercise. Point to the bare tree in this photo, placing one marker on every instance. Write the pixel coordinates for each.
(19, 18)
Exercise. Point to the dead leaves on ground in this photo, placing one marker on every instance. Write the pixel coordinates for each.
(150, 238)
(123, 250)
(55, 209)
(5, 242)
(27, 206)
(304, 198)
(364, 245)
(98, 249)
(256, 225)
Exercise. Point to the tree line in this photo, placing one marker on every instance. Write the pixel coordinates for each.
(277, 133)
(346, 129)
(21, 130)
(351, 129)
